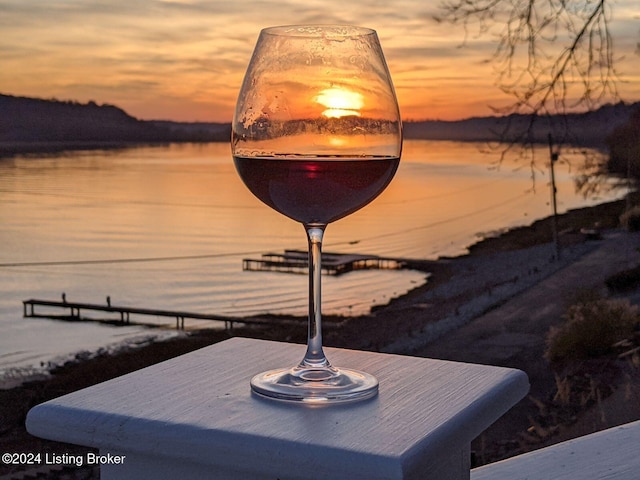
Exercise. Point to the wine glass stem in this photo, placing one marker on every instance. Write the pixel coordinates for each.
(315, 356)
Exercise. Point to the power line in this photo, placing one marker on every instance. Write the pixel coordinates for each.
(232, 254)
(112, 201)
(447, 194)
(123, 260)
(440, 222)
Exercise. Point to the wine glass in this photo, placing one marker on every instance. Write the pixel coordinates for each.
(316, 136)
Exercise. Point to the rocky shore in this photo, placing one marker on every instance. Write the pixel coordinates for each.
(493, 306)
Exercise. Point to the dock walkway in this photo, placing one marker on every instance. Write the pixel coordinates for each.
(75, 309)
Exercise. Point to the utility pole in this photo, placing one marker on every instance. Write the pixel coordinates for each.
(628, 199)
(553, 158)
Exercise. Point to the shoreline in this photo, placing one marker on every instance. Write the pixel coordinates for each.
(31, 149)
(459, 290)
(337, 328)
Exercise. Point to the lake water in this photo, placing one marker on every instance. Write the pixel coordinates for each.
(167, 228)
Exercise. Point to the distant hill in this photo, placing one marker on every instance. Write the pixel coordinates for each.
(585, 129)
(195, 131)
(30, 124)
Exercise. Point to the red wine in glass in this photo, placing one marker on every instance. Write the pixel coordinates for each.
(316, 190)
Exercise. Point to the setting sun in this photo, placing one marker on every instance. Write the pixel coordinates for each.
(340, 102)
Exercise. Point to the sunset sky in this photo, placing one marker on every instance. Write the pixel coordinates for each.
(185, 59)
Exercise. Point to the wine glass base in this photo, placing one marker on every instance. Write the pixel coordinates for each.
(325, 385)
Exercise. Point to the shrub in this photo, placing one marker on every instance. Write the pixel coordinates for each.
(624, 281)
(591, 327)
(631, 219)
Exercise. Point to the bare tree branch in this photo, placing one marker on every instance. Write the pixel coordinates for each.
(552, 57)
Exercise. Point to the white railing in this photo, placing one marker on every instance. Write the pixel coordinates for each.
(194, 417)
(612, 454)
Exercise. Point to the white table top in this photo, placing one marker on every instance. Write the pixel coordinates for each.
(199, 407)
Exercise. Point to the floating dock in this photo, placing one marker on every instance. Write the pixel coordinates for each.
(297, 261)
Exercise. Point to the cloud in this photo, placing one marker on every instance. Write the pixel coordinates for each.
(184, 52)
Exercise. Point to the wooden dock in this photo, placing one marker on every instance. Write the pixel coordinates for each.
(297, 261)
(75, 313)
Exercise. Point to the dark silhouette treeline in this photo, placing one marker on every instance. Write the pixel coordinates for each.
(30, 124)
(590, 129)
(37, 125)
